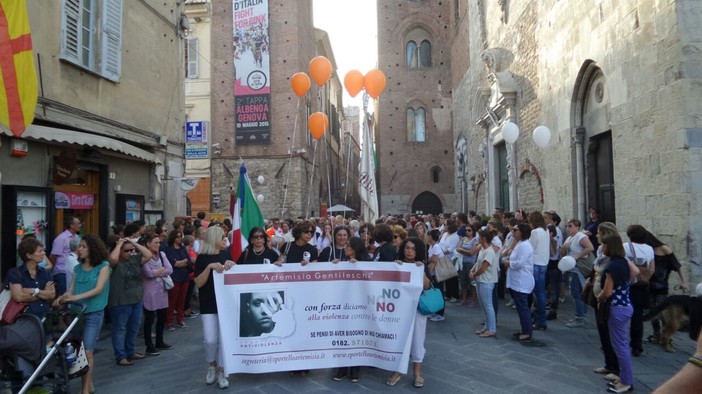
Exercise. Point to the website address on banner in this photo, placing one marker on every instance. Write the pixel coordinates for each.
(364, 354)
(279, 359)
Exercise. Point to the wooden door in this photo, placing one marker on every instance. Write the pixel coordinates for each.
(82, 181)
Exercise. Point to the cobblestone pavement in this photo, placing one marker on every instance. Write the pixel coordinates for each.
(457, 361)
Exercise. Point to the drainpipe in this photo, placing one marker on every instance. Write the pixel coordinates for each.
(579, 139)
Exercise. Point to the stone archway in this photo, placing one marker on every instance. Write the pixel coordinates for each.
(427, 202)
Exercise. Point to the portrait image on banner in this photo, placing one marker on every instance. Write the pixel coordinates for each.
(252, 87)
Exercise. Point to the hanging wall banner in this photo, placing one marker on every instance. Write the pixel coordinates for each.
(322, 315)
(252, 89)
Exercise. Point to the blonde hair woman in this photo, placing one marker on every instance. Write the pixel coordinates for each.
(211, 257)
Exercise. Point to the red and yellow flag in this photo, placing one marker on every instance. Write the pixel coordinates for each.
(18, 78)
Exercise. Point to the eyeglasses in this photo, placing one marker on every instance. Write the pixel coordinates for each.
(132, 250)
(308, 232)
(258, 236)
(396, 236)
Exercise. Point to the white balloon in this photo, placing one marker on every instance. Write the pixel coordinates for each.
(510, 132)
(260, 198)
(566, 264)
(542, 135)
(261, 179)
(698, 289)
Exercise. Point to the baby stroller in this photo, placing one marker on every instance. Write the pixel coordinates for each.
(25, 362)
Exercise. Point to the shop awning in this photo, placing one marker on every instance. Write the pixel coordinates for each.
(35, 132)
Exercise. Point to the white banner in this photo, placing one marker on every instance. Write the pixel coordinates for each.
(323, 315)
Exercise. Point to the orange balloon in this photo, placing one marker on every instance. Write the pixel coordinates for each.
(353, 81)
(374, 83)
(318, 123)
(300, 83)
(320, 70)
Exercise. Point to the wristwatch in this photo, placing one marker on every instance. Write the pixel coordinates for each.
(36, 291)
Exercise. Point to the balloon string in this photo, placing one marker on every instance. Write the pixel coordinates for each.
(309, 195)
(292, 147)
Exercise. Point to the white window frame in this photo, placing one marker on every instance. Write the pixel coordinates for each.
(76, 37)
(192, 61)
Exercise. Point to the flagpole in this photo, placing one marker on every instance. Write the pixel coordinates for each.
(292, 148)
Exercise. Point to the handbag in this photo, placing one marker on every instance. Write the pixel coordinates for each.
(430, 301)
(645, 272)
(9, 308)
(588, 295)
(444, 269)
(167, 281)
(81, 366)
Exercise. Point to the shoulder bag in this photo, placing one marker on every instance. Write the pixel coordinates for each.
(431, 301)
(645, 272)
(167, 281)
(444, 269)
(9, 308)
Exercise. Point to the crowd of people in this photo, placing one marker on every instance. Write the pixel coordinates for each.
(146, 275)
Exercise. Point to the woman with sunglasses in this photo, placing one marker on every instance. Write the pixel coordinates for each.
(300, 250)
(257, 252)
(179, 258)
(335, 251)
(125, 300)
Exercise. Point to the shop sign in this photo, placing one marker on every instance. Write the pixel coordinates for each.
(193, 151)
(65, 200)
(196, 132)
(64, 166)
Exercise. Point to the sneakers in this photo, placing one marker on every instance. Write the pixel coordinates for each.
(576, 323)
(151, 351)
(164, 346)
(222, 381)
(510, 303)
(170, 328)
(453, 300)
(437, 318)
(181, 325)
(211, 375)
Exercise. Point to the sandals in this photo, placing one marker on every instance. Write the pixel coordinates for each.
(124, 363)
(601, 371)
(418, 381)
(393, 379)
(481, 332)
(488, 334)
(137, 356)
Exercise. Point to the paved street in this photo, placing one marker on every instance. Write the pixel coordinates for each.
(456, 361)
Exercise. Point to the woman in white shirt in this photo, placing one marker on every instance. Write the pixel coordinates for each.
(433, 257)
(485, 273)
(644, 257)
(520, 280)
(449, 242)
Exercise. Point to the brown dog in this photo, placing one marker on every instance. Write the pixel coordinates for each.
(673, 310)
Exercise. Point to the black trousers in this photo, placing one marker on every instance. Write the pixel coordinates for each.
(149, 316)
(639, 300)
(611, 360)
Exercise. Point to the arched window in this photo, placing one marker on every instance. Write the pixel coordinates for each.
(412, 60)
(425, 54)
(418, 56)
(416, 124)
(435, 172)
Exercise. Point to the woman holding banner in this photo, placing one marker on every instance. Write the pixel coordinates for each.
(335, 251)
(257, 252)
(211, 257)
(413, 250)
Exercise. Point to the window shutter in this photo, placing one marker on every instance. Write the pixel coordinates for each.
(193, 64)
(111, 40)
(70, 37)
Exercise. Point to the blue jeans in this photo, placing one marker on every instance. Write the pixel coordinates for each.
(126, 320)
(521, 301)
(92, 323)
(540, 292)
(485, 292)
(576, 290)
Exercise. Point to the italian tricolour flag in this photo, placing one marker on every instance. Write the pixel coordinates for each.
(245, 214)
